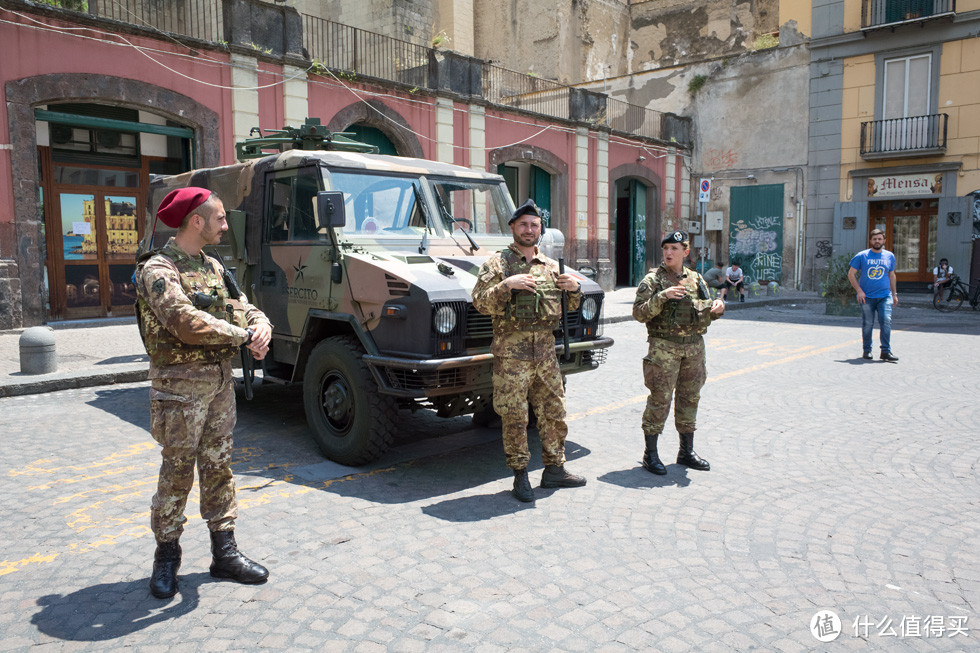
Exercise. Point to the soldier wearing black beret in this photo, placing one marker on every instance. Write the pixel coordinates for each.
(674, 303)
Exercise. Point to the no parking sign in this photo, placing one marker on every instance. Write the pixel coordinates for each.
(704, 190)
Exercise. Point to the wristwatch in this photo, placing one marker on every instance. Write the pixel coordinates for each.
(251, 334)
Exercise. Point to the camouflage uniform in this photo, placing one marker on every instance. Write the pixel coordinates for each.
(525, 366)
(192, 393)
(676, 353)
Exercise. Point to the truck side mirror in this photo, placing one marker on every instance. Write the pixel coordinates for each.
(329, 209)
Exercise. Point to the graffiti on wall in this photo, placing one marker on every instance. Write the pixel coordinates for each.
(716, 159)
(757, 244)
(824, 249)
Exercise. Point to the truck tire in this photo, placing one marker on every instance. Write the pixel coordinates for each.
(351, 422)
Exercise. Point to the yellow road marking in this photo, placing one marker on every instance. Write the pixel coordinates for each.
(289, 486)
(803, 352)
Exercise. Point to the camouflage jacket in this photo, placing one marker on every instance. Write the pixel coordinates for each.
(178, 331)
(673, 318)
(523, 322)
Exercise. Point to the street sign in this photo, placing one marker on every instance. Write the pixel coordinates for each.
(704, 190)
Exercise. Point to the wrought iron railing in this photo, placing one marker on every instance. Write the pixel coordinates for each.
(198, 19)
(904, 136)
(875, 13)
(521, 91)
(349, 49)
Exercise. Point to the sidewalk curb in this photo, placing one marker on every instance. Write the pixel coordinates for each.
(73, 382)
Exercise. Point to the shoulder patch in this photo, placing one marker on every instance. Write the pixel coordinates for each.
(159, 286)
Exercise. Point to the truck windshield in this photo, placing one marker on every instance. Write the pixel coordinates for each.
(379, 204)
(473, 205)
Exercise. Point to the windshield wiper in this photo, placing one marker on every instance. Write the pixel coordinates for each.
(448, 216)
(420, 203)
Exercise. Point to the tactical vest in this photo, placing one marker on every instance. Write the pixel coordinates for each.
(679, 316)
(538, 308)
(205, 289)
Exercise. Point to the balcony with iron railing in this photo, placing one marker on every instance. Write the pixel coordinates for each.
(894, 138)
(887, 13)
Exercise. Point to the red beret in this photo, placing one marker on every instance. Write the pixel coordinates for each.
(178, 204)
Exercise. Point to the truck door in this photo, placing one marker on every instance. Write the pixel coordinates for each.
(294, 273)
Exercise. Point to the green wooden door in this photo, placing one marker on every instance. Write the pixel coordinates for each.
(755, 231)
(638, 215)
(540, 184)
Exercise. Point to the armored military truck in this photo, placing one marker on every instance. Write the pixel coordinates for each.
(365, 265)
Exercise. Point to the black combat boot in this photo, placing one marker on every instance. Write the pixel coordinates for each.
(522, 486)
(166, 562)
(228, 562)
(686, 455)
(557, 476)
(651, 460)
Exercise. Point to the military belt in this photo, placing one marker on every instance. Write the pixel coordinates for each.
(681, 340)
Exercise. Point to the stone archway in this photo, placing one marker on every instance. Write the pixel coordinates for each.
(554, 165)
(377, 114)
(653, 185)
(22, 96)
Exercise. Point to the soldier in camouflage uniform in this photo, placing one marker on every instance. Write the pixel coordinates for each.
(674, 303)
(191, 328)
(521, 289)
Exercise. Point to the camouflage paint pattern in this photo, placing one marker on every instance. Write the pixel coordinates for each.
(684, 317)
(192, 392)
(176, 333)
(518, 332)
(525, 366)
(193, 422)
(515, 383)
(671, 367)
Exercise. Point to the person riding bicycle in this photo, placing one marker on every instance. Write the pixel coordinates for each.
(941, 276)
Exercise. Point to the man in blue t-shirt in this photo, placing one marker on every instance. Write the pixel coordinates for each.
(872, 274)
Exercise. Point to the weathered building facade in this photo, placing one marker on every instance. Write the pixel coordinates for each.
(113, 102)
(895, 131)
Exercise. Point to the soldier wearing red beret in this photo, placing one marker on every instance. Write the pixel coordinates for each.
(192, 328)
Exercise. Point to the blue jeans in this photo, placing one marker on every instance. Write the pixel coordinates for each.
(883, 307)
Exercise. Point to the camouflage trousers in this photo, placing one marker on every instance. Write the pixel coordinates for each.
(515, 382)
(193, 421)
(672, 368)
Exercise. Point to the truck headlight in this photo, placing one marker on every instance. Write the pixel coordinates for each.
(589, 309)
(444, 320)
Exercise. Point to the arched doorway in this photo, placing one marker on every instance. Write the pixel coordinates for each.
(634, 222)
(527, 180)
(631, 231)
(372, 136)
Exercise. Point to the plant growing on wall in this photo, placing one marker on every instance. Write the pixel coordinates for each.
(74, 5)
(696, 84)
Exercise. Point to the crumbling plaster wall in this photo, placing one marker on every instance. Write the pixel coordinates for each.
(567, 40)
(670, 32)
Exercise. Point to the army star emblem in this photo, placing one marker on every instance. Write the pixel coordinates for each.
(299, 267)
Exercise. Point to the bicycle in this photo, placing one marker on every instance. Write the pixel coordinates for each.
(954, 294)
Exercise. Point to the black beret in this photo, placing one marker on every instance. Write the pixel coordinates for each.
(674, 237)
(527, 208)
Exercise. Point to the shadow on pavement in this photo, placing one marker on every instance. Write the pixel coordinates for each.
(110, 610)
(641, 478)
(117, 360)
(478, 508)
(121, 402)
(444, 474)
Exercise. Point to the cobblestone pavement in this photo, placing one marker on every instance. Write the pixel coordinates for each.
(836, 484)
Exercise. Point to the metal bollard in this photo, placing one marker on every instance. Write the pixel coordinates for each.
(37, 351)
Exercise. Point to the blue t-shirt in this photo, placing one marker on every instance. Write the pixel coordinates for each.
(873, 270)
